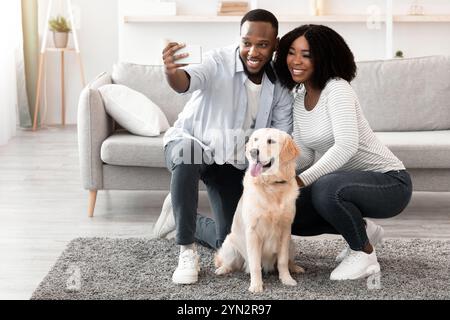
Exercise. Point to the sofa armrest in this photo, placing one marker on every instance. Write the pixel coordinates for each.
(94, 126)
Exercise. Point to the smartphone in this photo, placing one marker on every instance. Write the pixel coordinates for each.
(195, 55)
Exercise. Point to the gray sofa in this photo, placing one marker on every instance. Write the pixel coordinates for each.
(406, 101)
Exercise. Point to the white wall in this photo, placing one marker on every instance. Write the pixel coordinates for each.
(104, 38)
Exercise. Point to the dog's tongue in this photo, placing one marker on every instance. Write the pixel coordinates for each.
(256, 169)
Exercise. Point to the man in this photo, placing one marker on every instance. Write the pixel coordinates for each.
(235, 91)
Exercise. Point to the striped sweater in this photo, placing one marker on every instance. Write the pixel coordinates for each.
(338, 132)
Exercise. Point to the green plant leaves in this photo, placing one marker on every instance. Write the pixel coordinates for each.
(59, 24)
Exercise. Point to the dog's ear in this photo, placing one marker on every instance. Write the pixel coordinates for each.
(289, 150)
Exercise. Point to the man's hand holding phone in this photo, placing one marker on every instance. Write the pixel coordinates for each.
(175, 56)
(170, 57)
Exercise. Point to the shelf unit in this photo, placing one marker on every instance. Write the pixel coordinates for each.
(424, 18)
(283, 19)
(387, 18)
(61, 49)
(61, 52)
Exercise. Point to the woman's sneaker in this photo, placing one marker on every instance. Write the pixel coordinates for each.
(375, 233)
(188, 268)
(356, 265)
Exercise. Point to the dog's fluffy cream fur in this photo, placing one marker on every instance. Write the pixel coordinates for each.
(261, 232)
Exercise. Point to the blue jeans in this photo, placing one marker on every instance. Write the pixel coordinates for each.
(224, 186)
(338, 202)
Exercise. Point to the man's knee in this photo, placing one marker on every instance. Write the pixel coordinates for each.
(186, 153)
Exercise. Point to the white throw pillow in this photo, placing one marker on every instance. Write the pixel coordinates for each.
(133, 110)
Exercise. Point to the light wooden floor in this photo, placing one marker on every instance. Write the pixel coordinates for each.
(43, 207)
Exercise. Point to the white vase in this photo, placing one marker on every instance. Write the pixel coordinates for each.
(60, 39)
(253, 4)
(313, 7)
(316, 7)
(320, 7)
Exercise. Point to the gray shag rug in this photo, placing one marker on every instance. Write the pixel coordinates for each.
(98, 268)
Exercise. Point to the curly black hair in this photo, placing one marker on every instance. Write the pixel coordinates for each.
(330, 54)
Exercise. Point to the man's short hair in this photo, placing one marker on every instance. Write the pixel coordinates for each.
(261, 15)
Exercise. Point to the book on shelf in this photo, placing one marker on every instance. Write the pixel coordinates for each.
(233, 7)
(232, 13)
(228, 4)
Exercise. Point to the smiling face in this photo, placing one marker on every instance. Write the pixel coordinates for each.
(299, 61)
(258, 43)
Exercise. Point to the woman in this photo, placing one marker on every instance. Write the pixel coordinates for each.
(357, 177)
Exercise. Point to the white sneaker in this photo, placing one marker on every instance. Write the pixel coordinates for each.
(356, 265)
(375, 234)
(166, 220)
(188, 268)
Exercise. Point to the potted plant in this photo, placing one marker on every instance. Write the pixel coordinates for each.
(61, 29)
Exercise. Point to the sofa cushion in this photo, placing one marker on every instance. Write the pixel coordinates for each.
(151, 81)
(133, 110)
(426, 149)
(125, 149)
(405, 94)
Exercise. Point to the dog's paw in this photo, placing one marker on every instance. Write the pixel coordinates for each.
(288, 281)
(256, 287)
(221, 271)
(295, 268)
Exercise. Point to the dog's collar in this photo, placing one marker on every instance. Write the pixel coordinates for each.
(283, 181)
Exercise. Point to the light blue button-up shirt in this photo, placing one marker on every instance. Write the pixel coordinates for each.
(215, 114)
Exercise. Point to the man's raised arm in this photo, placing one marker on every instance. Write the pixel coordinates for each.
(177, 78)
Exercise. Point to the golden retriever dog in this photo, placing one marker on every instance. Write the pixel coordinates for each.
(260, 235)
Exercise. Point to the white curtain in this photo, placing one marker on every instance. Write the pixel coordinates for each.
(11, 67)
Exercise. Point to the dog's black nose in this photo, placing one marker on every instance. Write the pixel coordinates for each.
(254, 153)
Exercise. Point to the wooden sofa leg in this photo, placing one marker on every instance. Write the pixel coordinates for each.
(92, 199)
